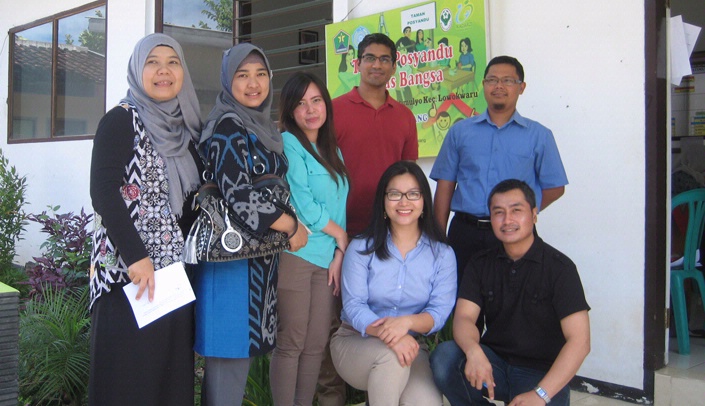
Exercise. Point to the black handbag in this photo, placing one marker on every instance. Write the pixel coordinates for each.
(218, 235)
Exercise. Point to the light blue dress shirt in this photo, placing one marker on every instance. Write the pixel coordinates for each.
(425, 281)
(477, 155)
(316, 198)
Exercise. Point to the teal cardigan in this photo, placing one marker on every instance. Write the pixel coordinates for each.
(316, 198)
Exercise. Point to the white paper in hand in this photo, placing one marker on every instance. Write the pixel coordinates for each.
(172, 290)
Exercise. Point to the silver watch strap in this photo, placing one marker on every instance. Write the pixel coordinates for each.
(542, 393)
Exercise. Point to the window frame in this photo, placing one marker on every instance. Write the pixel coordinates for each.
(54, 20)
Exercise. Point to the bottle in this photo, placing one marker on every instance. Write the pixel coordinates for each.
(382, 25)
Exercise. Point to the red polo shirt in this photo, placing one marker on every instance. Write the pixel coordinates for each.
(371, 140)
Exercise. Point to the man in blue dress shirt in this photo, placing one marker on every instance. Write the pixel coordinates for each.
(481, 151)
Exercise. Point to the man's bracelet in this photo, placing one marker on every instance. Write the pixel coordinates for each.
(542, 393)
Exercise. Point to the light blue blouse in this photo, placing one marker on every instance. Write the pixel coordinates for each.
(316, 198)
(425, 281)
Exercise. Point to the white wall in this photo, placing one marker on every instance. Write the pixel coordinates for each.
(58, 172)
(584, 64)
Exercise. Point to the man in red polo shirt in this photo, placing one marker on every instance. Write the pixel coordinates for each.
(372, 128)
(373, 132)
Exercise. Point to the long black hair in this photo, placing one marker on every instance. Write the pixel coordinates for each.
(292, 93)
(376, 232)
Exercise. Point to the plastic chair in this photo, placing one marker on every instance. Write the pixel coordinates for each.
(695, 199)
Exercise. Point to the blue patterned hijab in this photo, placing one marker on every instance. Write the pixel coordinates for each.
(255, 120)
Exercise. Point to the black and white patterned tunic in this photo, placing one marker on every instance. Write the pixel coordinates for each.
(133, 218)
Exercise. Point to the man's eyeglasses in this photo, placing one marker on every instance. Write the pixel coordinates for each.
(368, 58)
(492, 81)
(410, 195)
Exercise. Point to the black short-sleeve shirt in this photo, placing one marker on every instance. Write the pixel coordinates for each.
(524, 302)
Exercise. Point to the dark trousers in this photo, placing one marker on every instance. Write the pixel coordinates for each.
(132, 366)
(448, 366)
(467, 238)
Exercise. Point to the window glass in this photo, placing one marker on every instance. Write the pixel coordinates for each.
(31, 83)
(58, 83)
(204, 30)
(204, 14)
(80, 73)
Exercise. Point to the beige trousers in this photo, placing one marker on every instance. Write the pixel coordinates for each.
(367, 363)
(305, 307)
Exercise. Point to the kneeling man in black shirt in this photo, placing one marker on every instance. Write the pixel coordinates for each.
(538, 330)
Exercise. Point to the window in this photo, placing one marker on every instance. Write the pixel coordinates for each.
(205, 28)
(203, 40)
(57, 77)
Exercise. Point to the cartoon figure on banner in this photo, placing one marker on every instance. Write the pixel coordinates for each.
(467, 59)
(466, 62)
(420, 46)
(345, 59)
(346, 71)
(405, 41)
(423, 45)
(441, 126)
(443, 62)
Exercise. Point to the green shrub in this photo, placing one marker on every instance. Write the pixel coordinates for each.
(257, 391)
(13, 220)
(55, 348)
(67, 251)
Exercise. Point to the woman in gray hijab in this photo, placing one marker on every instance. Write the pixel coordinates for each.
(144, 173)
(236, 317)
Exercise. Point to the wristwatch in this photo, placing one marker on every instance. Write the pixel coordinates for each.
(542, 394)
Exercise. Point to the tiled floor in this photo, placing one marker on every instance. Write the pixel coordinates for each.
(682, 381)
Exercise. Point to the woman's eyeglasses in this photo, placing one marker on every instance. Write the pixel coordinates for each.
(410, 195)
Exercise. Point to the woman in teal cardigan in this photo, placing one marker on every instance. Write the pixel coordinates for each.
(310, 277)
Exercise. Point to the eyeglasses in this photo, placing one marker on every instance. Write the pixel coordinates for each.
(368, 58)
(395, 196)
(492, 81)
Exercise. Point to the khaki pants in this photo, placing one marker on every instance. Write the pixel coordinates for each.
(331, 387)
(367, 363)
(305, 306)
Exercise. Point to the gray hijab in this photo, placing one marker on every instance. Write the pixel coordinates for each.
(170, 125)
(255, 120)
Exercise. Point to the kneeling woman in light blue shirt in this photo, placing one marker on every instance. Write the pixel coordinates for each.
(399, 282)
(310, 277)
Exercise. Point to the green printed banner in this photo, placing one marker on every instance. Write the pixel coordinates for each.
(441, 56)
